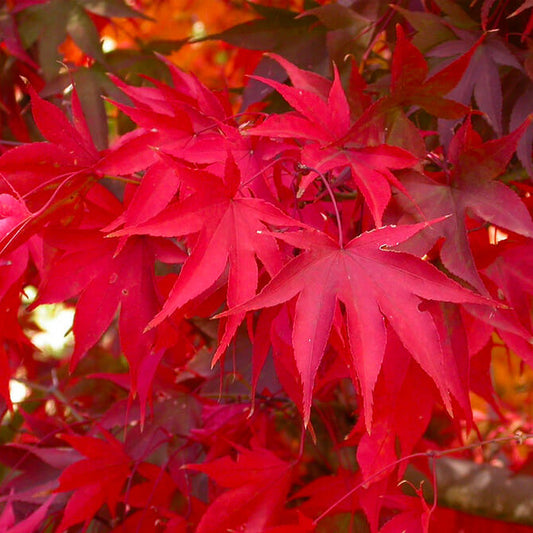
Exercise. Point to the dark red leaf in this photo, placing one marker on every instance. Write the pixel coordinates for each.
(374, 284)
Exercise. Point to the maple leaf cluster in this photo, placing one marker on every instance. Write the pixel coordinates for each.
(283, 295)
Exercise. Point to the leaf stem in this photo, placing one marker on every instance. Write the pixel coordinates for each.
(333, 199)
(123, 179)
(55, 392)
(432, 455)
(12, 143)
(269, 165)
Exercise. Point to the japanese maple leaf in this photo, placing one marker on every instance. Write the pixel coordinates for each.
(231, 232)
(53, 176)
(512, 272)
(258, 482)
(414, 515)
(410, 84)
(189, 99)
(13, 264)
(374, 285)
(411, 88)
(469, 185)
(481, 79)
(185, 118)
(107, 276)
(195, 124)
(104, 282)
(37, 169)
(400, 417)
(96, 480)
(335, 143)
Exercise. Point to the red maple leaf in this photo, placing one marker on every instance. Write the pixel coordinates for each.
(468, 185)
(400, 417)
(374, 285)
(54, 176)
(410, 84)
(414, 515)
(232, 231)
(37, 169)
(193, 124)
(512, 272)
(107, 276)
(258, 482)
(334, 143)
(104, 282)
(96, 480)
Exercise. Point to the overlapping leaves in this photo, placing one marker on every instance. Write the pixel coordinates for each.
(224, 215)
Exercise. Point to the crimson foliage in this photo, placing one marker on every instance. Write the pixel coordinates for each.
(284, 295)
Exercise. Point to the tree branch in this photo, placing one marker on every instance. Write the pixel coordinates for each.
(480, 489)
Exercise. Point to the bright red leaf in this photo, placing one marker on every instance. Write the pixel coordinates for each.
(231, 226)
(374, 284)
(96, 480)
(54, 177)
(324, 120)
(512, 272)
(258, 482)
(104, 281)
(468, 185)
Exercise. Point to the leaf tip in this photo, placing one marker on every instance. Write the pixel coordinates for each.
(152, 324)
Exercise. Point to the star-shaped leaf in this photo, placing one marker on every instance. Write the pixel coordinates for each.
(469, 185)
(410, 84)
(232, 229)
(374, 285)
(257, 483)
(334, 142)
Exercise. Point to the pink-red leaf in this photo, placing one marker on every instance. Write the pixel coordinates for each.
(375, 285)
(258, 482)
(334, 142)
(231, 227)
(96, 480)
(470, 186)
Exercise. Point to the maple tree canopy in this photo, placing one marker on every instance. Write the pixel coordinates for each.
(288, 246)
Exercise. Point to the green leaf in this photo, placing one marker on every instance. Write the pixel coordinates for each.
(47, 24)
(112, 8)
(89, 87)
(457, 15)
(84, 33)
(430, 28)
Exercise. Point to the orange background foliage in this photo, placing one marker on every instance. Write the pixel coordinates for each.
(217, 64)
